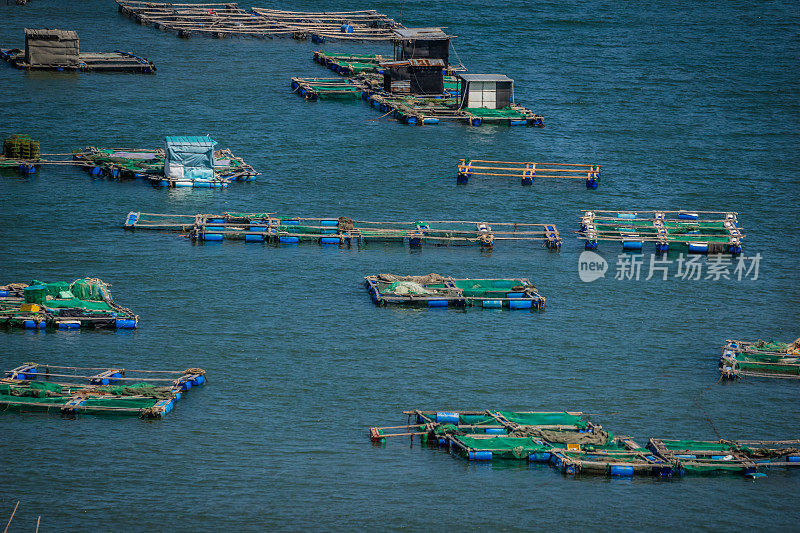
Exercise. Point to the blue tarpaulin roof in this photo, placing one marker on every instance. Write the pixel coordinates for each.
(190, 140)
(189, 158)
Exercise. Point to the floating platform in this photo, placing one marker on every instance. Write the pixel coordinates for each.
(574, 445)
(350, 64)
(149, 165)
(417, 110)
(694, 232)
(343, 231)
(434, 290)
(72, 391)
(527, 172)
(84, 303)
(228, 20)
(760, 359)
(735, 457)
(58, 50)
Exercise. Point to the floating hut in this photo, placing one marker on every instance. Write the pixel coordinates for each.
(574, 445)
(434, 290)
(72, 391)
(84, 303)
(228, 20)
(49, 49)
(766, 359)
(527, 172)
(343, 231)
(414, 76)
(183, 162)
(422, 43)
(695, 232)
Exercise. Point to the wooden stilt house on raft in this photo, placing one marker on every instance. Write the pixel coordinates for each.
(50, 49)
(574, 445)
(71, 391)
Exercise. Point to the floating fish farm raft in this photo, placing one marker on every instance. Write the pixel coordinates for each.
(59, 50)
(271, 228)
(416, 109)
(72, 391)
(527, 172)
(149, 165)
(695, 232)
(574, 445)
(226, 20)
(766, 359)
(84, 303)
(434, 290)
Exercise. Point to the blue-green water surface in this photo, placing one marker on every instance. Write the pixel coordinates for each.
(686, 105)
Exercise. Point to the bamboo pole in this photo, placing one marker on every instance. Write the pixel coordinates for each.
(12, 517)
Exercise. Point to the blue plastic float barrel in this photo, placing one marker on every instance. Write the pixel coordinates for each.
(253, 238)
(69, 325)
(430, 120)
(199, 380)
(329, 240)
(212, 236)
(328, 222)
(688, 216)
(445, 417)
(621, 470)
(632, 245)
(480, 456)
(520, 304)
(698, 247)
(346, 28)
(125, 323)
(163, 183)
(32, 324)
(290, 222)
(3, 294)
(437, 303)
(628, 216)
(522, 122)
(215, 228)
(686, 456)
(411, 120)
(496, 431)
(539, 457)
(492, 304)
(288, 239)
(793, 458)
(515, 295)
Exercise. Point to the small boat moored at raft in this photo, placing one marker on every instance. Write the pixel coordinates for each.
(72, 391)
(765, 359)
(694, 232)
(84, 303)
(50, 49)
(271, 228)
(434, 290)
(574, 445)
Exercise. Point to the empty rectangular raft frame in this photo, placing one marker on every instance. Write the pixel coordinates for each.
(574, 445)
(697, 232)
(760, 359)
(528, 171)
(114, 391)
(439, 292)
(270, 228)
